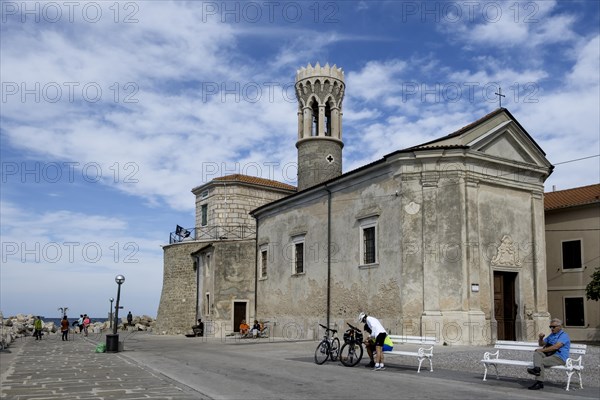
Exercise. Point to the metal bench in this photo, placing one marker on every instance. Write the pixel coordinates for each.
(422, 354)
(571, 366)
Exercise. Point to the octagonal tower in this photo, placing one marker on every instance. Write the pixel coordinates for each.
(320, 91)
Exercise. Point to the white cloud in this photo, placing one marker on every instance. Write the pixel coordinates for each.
(375, 80)
(506, 24)
(585, 71)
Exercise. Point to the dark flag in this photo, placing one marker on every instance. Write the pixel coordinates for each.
(182, 232)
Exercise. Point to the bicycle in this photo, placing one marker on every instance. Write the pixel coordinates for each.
(352, 350)
(329, 347)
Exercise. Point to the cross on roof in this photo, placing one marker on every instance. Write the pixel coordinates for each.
(500, 95)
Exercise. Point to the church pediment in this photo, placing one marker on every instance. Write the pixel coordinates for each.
(498, 135)
(508, 146)
(504, 138)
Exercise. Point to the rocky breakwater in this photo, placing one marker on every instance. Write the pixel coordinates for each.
(18, 326)
(139, 323)
(21, 325)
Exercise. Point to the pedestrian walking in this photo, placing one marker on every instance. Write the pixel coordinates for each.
(37, 328)
(86, 324)
(64, 328)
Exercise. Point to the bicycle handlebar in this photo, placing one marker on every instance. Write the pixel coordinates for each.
(327, 329)
(353, 327)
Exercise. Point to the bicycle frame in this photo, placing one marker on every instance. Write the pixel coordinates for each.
(328, 347)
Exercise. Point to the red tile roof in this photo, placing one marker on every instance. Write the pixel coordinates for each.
(255, 181)
(572, 197)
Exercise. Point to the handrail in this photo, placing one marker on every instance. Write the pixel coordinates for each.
(215, 232)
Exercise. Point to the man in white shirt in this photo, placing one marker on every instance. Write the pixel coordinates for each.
(379, 334)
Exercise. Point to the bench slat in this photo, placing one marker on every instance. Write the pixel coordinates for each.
(575, 349)
(535, 344)
(413, 339)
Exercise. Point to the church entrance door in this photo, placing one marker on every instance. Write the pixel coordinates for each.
(505, 308)
(239, 313)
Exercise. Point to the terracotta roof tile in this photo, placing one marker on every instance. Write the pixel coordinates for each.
(255, 180)
(572, 197)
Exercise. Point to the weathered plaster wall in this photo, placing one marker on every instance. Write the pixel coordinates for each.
(442, 231)
(233, 280)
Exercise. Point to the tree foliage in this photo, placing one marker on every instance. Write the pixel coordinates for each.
(592, 290)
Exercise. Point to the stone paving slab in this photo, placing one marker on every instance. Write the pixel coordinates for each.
(53, 369)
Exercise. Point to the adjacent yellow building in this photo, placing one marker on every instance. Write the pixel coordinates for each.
(572, 255)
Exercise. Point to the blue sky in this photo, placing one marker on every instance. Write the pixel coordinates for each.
(112, 112)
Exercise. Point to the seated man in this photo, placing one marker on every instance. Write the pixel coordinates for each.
(554, 350)
(244, 328)
(199, 329)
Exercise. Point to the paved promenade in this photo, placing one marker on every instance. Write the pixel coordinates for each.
(53, 369)
(175, 367)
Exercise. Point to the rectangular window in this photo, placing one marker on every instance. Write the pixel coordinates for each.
(204, 194)
(369, 245)
(574, 312)
(368, 241)
(204, 221)
(299, 258)
(571, 254)
(263, 262)
(207, 305)
(298, 254)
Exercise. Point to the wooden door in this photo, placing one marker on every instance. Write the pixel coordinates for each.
(505, 304)
(239, 313)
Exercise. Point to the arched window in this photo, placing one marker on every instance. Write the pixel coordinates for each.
(315, 118)
(328, 118)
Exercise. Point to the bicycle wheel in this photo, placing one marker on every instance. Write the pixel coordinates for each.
(334, 351)
(322, 352)
(351, 354)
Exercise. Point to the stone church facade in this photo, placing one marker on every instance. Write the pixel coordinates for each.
(444, 239)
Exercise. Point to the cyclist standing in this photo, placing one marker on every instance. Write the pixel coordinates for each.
(377, 331)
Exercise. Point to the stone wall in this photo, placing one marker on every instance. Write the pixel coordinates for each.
(229, 203)
(177, 308)
(314, 164)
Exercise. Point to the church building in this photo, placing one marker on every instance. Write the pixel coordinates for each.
(442, 239)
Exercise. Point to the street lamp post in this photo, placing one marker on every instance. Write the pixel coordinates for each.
(119, 279)
(110, 313)
(112, 340)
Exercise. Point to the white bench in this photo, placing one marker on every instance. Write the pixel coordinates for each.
(571, 365)
(422, 353)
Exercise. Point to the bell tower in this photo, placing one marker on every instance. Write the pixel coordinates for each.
(320, 91)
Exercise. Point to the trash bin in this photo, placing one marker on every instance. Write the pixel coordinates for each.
(112, 343)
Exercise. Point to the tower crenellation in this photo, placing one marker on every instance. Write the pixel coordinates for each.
(320, 92)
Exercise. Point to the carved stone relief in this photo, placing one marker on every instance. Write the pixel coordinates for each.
(507, 255)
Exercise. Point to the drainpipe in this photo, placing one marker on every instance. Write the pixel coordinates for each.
(197, 287)
(256, 268)
(328, 254)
